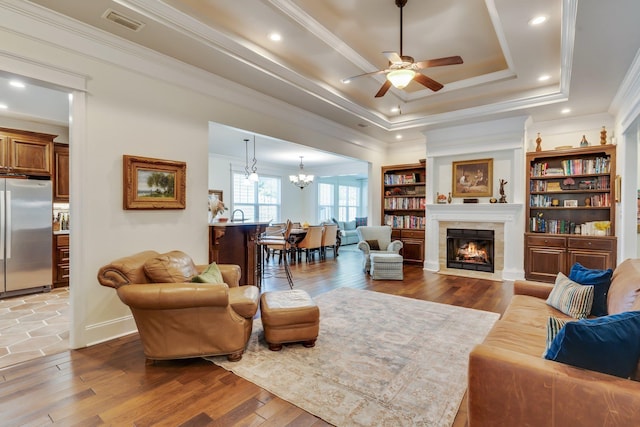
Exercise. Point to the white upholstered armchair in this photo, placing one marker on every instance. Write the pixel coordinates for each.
(376, 239)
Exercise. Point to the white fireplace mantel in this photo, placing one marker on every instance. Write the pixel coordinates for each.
(509, 214)
(475, 212)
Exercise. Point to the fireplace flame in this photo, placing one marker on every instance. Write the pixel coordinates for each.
(471, 252)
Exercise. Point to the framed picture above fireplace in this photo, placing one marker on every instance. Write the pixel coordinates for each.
(472, 178)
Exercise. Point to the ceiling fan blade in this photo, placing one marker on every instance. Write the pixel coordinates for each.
(385, 87)
(428, 82)
(449, 60)
(393, 57)
(373, 73)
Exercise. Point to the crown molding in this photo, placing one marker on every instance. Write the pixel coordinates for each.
(626, 102)
(256, 57)
(50, 27)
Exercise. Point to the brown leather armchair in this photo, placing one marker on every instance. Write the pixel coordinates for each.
(180, 319)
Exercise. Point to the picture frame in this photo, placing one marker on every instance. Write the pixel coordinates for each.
(570, 203)
(217, 193)
(472, 178)
(153, 183)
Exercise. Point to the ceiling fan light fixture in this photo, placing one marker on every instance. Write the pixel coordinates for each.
(401, 78)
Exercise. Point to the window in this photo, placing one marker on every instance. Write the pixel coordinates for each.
(259, 201)
(348, 202)
(341, 198)
(325, 201)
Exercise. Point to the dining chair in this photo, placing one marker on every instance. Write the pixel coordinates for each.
(311, 242)
(330, 240)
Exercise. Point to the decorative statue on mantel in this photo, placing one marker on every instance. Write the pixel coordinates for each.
(503, 197)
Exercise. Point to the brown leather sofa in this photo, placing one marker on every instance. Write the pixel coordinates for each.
(510, 384)
(180, 319)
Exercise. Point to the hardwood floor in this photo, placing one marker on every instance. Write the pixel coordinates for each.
(112, 383)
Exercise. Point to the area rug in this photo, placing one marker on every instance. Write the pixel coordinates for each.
(380, 360)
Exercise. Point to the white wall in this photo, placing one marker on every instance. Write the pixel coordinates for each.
(297, 205)
(139, 113)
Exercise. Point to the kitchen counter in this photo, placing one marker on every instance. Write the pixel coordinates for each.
(235, 243)
(238, 223)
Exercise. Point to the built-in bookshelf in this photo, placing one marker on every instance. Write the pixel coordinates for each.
(403, 206)
(570, 210)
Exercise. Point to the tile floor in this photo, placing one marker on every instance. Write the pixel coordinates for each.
(34, 325)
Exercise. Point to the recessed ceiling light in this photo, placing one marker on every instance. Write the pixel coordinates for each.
(346, 81)
(395, 109)
(3, 106)
(537, 20)
(17, 83)
(398, 136)
(544, 77)
(565, 110)
(275, 37)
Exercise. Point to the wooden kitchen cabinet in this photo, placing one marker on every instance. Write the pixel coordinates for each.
(23, 152)
(236, 243)
(61, 173)
(60, 260)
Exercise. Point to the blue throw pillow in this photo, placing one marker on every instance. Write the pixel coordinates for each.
(361, 221)
(608, 344)
(599, 279)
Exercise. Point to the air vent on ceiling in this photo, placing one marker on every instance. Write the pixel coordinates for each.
(123, 20)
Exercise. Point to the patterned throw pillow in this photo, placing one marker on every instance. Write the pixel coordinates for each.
(361, 221)
(553, 327)
(571, 298)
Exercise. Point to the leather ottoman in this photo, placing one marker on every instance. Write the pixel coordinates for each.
(289, 316)
(386, 266)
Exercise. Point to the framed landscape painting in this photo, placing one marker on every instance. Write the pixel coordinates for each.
(472, 178)
(153, 183)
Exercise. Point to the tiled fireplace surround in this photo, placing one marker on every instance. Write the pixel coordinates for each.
(502, 140)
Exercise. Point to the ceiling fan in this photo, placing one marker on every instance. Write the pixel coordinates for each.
(403, 69)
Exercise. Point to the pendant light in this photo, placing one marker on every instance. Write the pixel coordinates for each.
(250, 173)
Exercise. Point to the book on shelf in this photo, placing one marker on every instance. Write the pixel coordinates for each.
(399, 179)
(553, 186)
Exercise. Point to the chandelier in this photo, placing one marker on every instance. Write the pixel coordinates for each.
(301, 180)
(250, 173)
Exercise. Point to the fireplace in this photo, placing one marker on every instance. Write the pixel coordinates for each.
(469, 249)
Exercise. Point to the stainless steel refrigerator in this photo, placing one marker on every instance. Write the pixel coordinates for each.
(25, 236)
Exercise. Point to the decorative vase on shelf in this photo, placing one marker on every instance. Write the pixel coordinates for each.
(449, 198)
(538, 143)
(584, 142)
